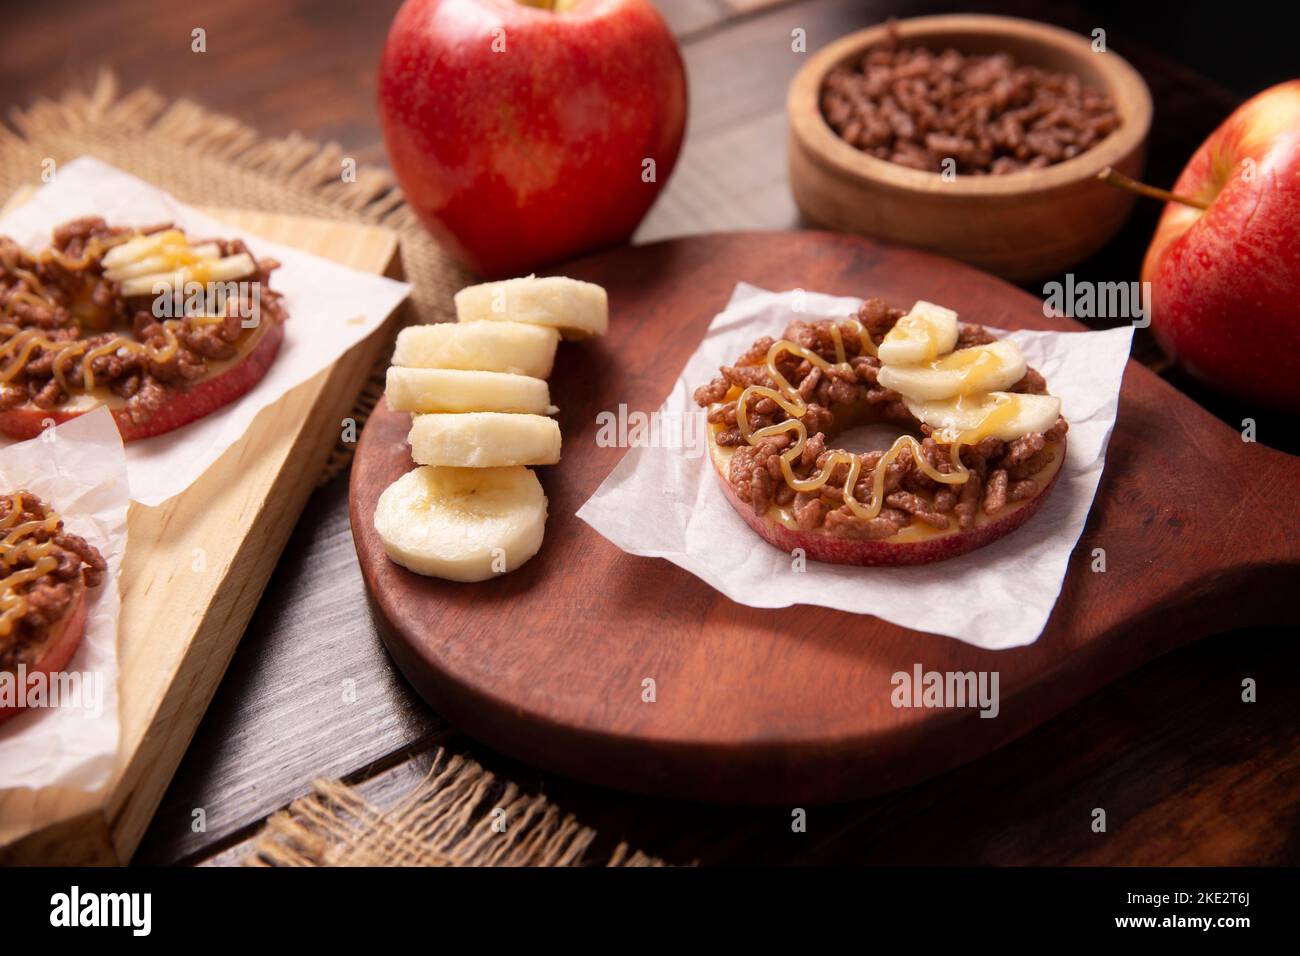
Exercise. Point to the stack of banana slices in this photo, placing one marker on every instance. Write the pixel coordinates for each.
(480, 405)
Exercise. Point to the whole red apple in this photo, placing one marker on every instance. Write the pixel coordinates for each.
(524, 133)
(1225, 281)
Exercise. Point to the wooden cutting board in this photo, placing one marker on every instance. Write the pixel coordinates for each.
(791, 706)
(179, 627)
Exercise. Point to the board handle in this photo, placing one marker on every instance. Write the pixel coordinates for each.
(1218, 544)
(1258, 541)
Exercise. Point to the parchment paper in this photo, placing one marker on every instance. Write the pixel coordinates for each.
(79, 469)
(331, 308)
(665, 501)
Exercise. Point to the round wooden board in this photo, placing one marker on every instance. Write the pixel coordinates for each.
(793, 706)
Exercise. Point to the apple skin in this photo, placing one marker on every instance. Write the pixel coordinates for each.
(63, 640)
(532, 155)
(1225, 282)
(835, 549)
(181, 408)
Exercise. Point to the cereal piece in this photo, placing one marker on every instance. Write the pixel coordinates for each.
(1057, 431)
(1031, 383)
(968, 501)
(1031, 466)
(1022, 449)
(918, 507)
(995, 494)
(715, 391)
(1023, 490)
(808, 511)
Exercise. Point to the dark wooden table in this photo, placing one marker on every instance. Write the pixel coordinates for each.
(1188, 773)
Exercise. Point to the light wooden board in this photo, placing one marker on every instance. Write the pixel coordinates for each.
(179, 626)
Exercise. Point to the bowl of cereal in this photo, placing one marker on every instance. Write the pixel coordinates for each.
(978, 137)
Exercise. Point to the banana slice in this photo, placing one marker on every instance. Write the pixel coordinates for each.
(982, 368)
(164, 241)
(1001, 415)
(484, 346)
(462, 524)
(484, 439)
(230, 268)
(162, 261)
(578, 309)
(922, 335)
(458, 390)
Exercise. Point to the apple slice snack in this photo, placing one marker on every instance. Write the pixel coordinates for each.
(479, 346)
(890, 506)
(71, 352)
(484, 439)
(577, 309)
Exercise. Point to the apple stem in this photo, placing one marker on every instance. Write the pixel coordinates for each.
(1113, 177)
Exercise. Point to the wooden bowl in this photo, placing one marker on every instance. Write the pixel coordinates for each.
(1022, 226)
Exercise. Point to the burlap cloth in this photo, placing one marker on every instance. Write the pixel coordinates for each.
(460, 814)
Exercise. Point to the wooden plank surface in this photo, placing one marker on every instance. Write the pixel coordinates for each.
(179, 624)
(1149, 748)
(283, 66)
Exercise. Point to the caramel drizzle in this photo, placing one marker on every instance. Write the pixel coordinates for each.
(15, 547)
(792, 403)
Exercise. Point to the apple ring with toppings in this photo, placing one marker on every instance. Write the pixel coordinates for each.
(980, 448)
(160, 328)
(45, 574)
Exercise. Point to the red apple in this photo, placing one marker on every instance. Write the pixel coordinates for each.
(229, 380)
(887, 552)
(1225, 281)
(60, 643)
(521, 135)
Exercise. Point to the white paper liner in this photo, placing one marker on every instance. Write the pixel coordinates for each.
(331, 308)
(666, 502)
(78, 469)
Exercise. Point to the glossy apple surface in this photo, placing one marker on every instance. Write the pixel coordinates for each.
(520, 135)
(1225, 282)
(234, 379)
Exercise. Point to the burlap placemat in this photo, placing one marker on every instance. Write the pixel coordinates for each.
(459, 815)
(209, 159)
